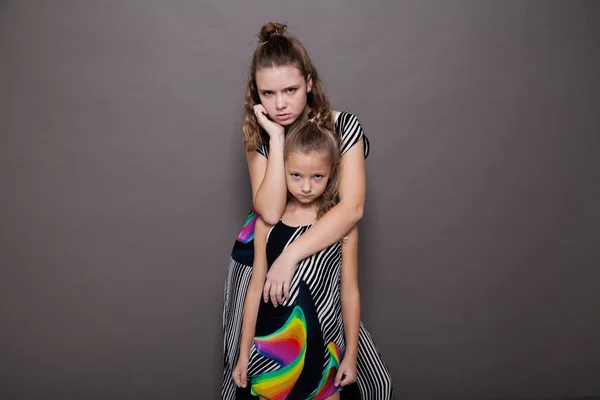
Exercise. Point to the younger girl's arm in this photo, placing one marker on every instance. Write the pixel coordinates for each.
(350, 296)
(252, 302)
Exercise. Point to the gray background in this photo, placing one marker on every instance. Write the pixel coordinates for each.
(124, 186)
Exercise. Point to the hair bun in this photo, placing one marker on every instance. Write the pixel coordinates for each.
(271, 29)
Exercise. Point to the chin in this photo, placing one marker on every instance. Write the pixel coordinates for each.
(288, 122)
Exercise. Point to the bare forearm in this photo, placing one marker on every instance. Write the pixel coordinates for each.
(251, 306)
(330, 228)
(351, 317)
(271, 196)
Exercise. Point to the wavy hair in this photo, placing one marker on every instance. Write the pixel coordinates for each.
(277, 48)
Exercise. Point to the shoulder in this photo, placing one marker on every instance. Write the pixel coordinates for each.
(263, 150)
(350, 130)
(343, 118)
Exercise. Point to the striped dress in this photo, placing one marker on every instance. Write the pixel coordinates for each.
(373, 379)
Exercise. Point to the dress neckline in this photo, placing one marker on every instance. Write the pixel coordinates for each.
(294, 227)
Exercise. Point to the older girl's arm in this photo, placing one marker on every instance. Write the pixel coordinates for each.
(338, 221)
(332, 226)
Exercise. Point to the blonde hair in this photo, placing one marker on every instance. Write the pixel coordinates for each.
(277, 48)
(308, 135)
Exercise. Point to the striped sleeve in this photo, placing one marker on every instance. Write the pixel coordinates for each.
(263, 149)
(351, 132)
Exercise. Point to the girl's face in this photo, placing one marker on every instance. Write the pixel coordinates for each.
(283, 91)
(307, 175)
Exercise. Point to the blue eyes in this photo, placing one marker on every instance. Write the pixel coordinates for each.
(270, 93)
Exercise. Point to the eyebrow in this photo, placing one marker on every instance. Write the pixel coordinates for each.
(313, 174)
(285, 88)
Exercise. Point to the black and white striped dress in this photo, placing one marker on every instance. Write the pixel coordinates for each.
(373, 378)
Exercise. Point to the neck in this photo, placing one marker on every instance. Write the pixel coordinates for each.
(298, 214)
(294, 205)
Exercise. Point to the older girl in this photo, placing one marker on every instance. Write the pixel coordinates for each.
(283, 85)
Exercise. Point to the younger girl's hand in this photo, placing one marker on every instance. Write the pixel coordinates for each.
(240, 373)
(346, 373)
(279, 278)
(272, 128)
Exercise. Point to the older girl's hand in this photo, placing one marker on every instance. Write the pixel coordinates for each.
(272, 128)
(279, 278)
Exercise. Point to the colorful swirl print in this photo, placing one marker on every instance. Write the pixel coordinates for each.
(247, 233)
(286, 346)
(326, 387)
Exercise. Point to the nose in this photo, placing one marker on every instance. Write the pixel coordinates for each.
(280, 102)
(305, 188)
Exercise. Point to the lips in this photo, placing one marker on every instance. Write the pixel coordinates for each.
(283, 116)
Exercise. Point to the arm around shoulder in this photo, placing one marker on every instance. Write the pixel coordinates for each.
(352, 189)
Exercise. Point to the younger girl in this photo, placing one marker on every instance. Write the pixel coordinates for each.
(305, 348)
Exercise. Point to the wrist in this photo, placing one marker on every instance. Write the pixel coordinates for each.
(350, 356)
(277, 139)
(244, 354)
(291, 253)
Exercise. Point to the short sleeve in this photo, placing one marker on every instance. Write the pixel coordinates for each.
(263, 149)
(351, 132)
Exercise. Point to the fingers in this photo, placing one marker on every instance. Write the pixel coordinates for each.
(272, 128)
(344, 377)
(266, 290)
(347, 379)
(259, 109)
(260, 113)
(276, 292)
(237, 377)
(338, 378)
(269, 292)
(279, 294)
(277, 287)
(234, 375)
(286, 289)
(240, 376)
(273, 294)
(243, 378)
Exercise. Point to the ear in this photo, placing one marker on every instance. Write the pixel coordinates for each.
(308, 84)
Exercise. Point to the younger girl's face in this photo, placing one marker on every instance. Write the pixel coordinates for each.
(307, 175)
(283, 92)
